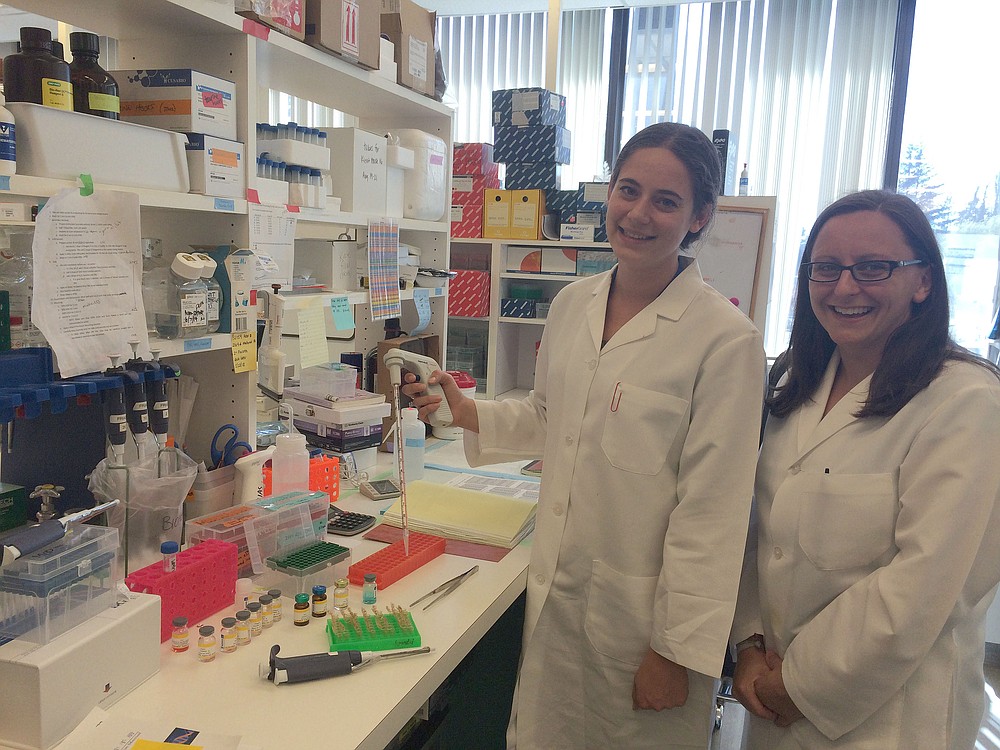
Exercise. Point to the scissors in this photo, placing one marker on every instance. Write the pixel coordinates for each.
(232, 449)
(447, 587)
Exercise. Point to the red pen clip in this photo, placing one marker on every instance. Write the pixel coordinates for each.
(616, 397)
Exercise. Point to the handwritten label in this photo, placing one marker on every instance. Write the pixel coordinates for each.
(225, 204)
(197, 345)
(343, 313)
(312, 337)
(244, 351)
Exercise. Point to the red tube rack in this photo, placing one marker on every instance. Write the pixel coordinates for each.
(392, 563)
(204, 583)
(324, 476)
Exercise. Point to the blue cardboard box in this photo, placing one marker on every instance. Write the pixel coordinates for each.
(534, 176)
(591, 196)
(517, 308)
(591, 262)
(528, 106)
(561, 202)
(531, 143)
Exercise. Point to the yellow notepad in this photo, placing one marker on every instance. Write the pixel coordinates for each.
(457, 513)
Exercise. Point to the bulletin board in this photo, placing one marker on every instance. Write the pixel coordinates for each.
(733, 254)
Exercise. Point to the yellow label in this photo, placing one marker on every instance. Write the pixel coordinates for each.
(104, 102)
(58, 94)
(244, 351)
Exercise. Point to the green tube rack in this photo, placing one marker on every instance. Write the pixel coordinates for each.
(344, 636)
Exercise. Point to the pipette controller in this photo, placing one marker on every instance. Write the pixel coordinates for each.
(282, 669)
(33, 538)
(422, 367)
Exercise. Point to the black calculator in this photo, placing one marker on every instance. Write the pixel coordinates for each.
(345, 523)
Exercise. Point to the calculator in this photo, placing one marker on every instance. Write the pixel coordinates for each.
(345, 523)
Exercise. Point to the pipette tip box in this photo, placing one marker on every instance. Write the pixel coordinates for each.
(344, 634)
(392, 563)
(317, 563)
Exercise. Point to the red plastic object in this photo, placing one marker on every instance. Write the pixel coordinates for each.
(324, 476)
(392, 563)
(204, 583)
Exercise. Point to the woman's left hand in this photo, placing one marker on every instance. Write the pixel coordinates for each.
(771, 692)
(659, 683)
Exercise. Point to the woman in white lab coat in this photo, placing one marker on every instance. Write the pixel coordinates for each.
(861, 614)
(646, 409)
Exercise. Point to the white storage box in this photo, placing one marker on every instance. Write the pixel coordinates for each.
(426, 185)
(180, 99)
(63, 145)
(271, 192)
(332, 263)
(216, 166)
(296, 152)
(357, 169)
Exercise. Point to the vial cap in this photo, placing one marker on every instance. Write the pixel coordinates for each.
(341, 583)
(208, 265)
(180, 622)
(274, 593)
(318, 589)
(169, 548)
(302, 598)
(84, 41)
(411, 415)
(206, 630)
(243, 615)
(229, 622)
(290, 441)
(186, 266)
(253, 606)
(369, 577)
(264, 599)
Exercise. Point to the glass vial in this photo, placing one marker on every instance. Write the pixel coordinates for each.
(301, 609)
(8, 149)
(206, 643)
(227, 635)
(35, 74)
(169, 551)
(256, 619)
(276, 607)
(95, 91)
(319, 601)
(341, 594)
(369, 589)
(266, 614)
(243, 627)
(180, 638)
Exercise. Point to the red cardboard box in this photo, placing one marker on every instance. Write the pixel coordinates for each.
(469, 294)
(473, 158)
(467, 220)
(466, 189)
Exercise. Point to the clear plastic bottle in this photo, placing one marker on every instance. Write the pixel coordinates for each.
(414, 439)
(169, 551)
(214, 290)
(152, 259)
(744, 181)
(35, 74)
(16, 278)
(95, 91)
(183, 314)
(8, 142)
(289, 464)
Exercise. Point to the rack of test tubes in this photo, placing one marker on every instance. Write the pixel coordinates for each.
(372, 631)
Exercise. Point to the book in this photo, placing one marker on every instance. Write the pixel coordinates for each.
(360, 398)
(533, 468)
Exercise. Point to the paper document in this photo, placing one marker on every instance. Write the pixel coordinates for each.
(526, 490)
(103, 730)
(455, 512)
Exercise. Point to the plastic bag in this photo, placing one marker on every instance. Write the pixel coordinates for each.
(152, 494)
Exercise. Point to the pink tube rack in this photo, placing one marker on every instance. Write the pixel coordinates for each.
(204, 583)
(392, 563)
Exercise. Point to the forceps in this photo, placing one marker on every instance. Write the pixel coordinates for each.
(447, 587)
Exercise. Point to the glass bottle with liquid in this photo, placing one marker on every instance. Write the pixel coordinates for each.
(207, 643)
(181, 312)
(17, 280)
(214, 290)
(95, 91)
(36, 75)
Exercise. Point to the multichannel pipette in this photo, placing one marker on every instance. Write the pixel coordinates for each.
(282, 669)
(39, 536)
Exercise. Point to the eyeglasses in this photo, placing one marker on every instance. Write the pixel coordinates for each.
(866, 270)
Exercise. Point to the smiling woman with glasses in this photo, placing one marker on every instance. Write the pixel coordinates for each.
(877, 548)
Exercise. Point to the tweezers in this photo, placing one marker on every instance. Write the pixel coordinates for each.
(446, 588)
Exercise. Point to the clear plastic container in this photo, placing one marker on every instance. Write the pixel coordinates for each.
(414, 438)
(16, 278)
(214, 291)
(289, 464)
(180, 299)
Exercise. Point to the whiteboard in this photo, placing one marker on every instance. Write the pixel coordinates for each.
(730, 254)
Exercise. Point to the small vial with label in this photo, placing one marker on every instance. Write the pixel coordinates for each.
(243, 627)
(276, 608)
(301, 609)
(179, 636)
(368, 589)
(319, 601)
(227, 635)
(169, 552)
(256, 619)
(266, 615)
(206, 643)
(341, 597)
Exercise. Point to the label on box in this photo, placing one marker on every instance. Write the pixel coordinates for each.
(349, 28)
(417, 60)
(576, 232)
(595, 192)
(461, 184)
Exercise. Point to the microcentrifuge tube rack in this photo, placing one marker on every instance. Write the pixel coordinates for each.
(363, 632)
(392, 563)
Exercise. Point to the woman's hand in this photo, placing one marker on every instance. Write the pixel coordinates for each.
(463, 410)
(751, 666)
(659, 683)
(771, 691)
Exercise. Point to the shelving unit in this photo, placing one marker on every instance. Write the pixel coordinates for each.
(208, 36)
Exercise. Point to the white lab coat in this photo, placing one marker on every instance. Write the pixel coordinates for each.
(649, 448)
(878, 553)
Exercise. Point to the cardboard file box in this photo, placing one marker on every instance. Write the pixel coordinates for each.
(559, 260)
(216, 166)
(473, 158)
(349, 28)
(286, 16)
(517, 308)
(467, 220)
(531, 143)
(179, 99)
(469, 294)
(527, 176)
(526, 210)
(528, 106)
(357, 169)
(411, 30)
(496, 213)
(524, 259)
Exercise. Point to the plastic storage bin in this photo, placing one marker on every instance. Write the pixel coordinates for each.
(46, 593)
(332, 379)
(425, 186)
(316, 563)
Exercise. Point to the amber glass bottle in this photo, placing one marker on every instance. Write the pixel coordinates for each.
(95, 91)
(36, 75)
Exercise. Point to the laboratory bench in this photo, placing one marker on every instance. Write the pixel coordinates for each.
(366, 709)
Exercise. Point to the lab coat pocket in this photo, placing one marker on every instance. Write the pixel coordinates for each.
(619, 616)
(640, 427)
(847, 520)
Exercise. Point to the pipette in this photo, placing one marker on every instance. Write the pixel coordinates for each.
(41, 535)
(422, 367)
(282, 669)
(115, 424)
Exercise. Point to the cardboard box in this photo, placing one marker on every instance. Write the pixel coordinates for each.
(591, 196)
(524, 260)
(469, 294)
(216, 166)
(576, 232)
(517, 308)
(591, 262)
(528, 176)
(473, 158)
(349, 28)
(528, 106)
(467, 220)
(411, 30)
(286, 16)
(178, 99)
(526, 210)
(531, 143)
(17, 212)
(561, 203)
(496, 213)
(559, 260)
(13, 506)
(466, 189)
(357, 169)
